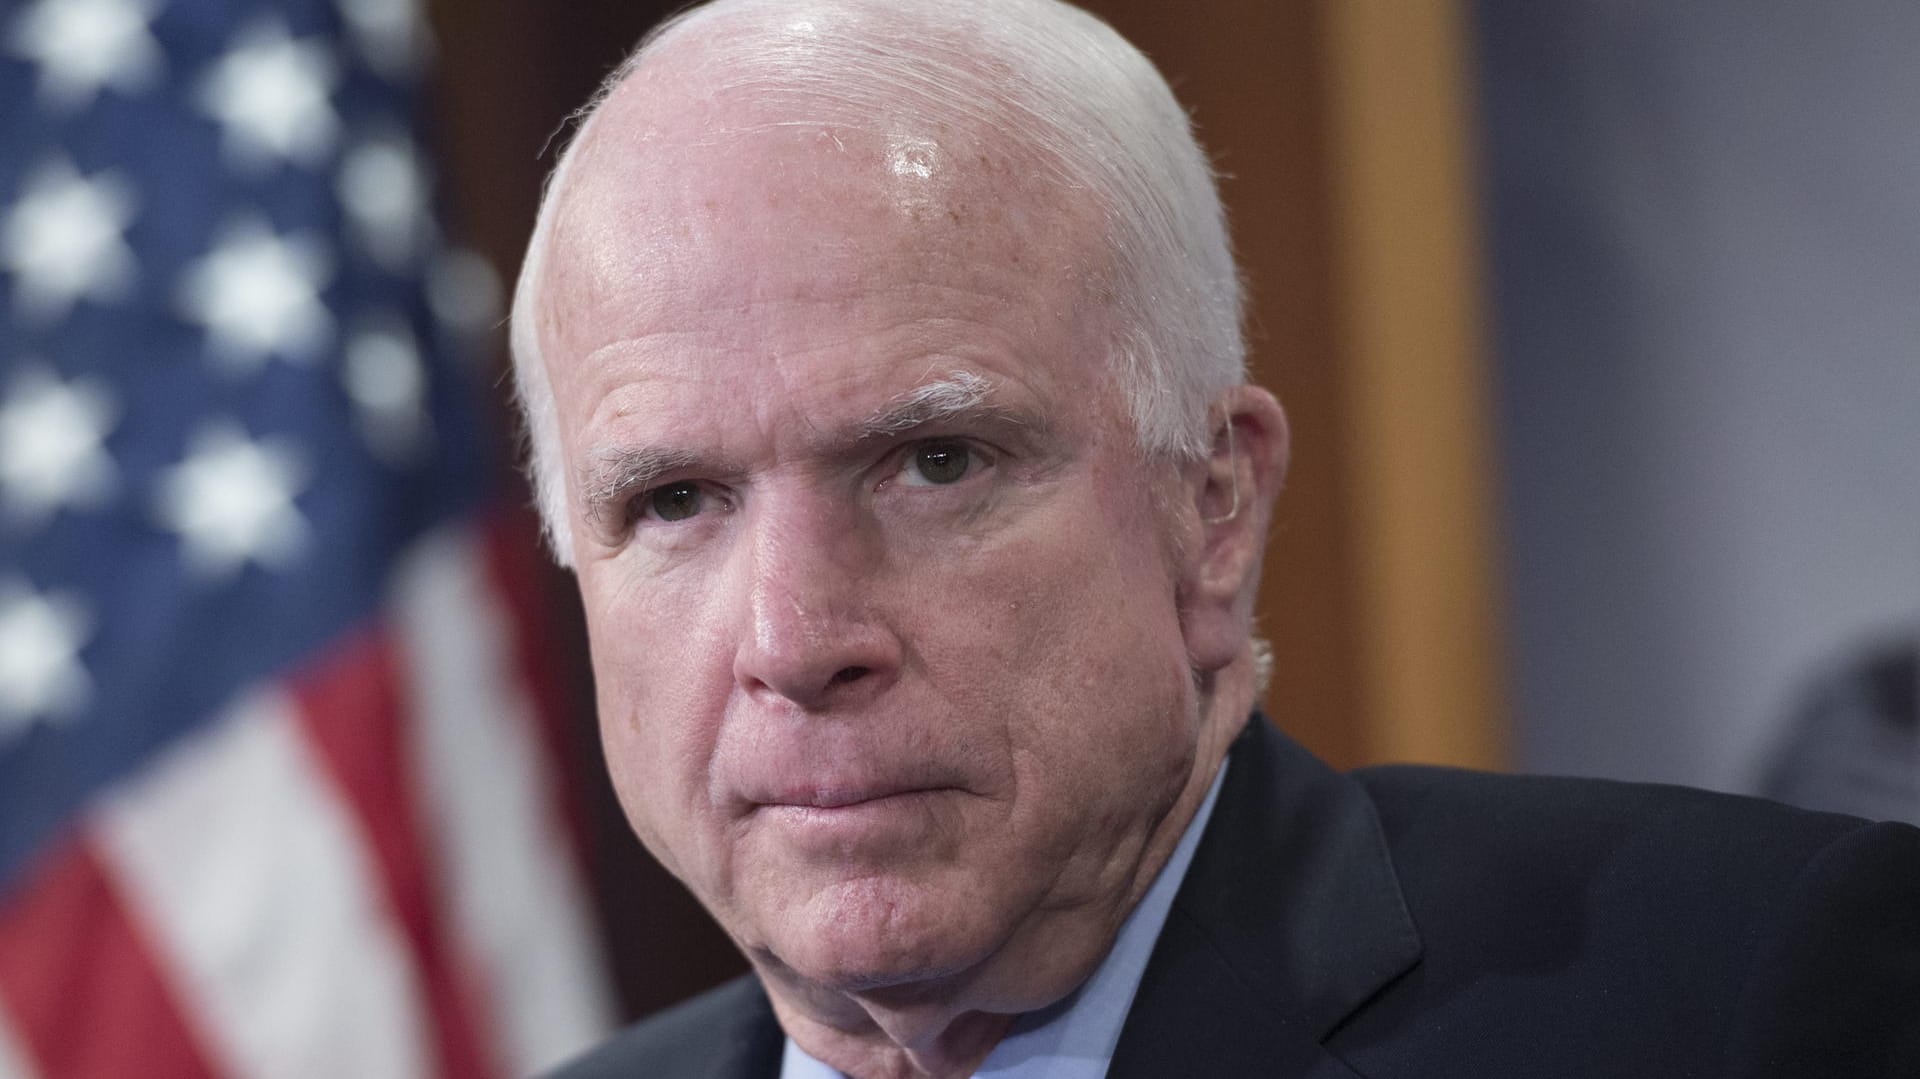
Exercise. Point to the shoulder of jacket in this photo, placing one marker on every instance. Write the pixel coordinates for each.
(710, 1034)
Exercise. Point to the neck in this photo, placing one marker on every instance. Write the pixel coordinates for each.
(946, 1028)
(907, 1046)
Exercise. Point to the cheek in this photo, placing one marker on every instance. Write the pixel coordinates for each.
(1126, 712)
(1084, 671)
(659, 641)
(659, 684)
(1072, 640)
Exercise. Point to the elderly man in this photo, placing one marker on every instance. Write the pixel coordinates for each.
(883, 371)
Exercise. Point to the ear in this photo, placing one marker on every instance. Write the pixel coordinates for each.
(1228, 499)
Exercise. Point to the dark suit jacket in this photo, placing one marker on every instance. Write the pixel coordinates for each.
(1423, 923)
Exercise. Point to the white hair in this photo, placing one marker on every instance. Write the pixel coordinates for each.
(1055, 81)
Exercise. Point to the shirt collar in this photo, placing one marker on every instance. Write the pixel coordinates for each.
(1075, 1038)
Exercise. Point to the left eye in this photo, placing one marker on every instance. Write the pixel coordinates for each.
(935, 464)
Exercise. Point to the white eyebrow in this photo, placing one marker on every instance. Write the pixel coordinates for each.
(613, 474)
(957, 394)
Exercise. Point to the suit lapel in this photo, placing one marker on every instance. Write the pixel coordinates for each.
(1290, 917)
(751, 1044)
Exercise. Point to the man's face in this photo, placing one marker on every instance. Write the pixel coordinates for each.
(881, 595)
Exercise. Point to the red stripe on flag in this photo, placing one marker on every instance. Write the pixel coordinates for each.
(78, 980)
(350, 709)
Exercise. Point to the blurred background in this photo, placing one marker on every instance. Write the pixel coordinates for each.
(1598, 324)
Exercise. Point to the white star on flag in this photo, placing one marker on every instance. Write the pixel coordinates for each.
(258, 294)
(62, 239)
(231, 501)
(391, 34)
(82, 46)
(40, 674)
(383, 185)
(50, 444)
(464, 292)
(270, 93)
(387, 383)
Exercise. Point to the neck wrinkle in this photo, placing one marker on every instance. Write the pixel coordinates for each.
(955, 1052)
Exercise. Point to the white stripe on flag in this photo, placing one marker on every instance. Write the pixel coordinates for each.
(13, 1054)
(514, 890)
(238, 861)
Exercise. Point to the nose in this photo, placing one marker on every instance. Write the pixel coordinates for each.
(813, 635)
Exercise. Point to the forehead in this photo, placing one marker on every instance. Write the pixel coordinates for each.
(716, 215)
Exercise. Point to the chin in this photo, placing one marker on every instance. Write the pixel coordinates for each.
(880, 933)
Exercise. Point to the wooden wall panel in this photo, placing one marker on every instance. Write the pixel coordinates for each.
(1417, 455)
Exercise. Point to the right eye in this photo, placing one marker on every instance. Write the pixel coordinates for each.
(674, 501)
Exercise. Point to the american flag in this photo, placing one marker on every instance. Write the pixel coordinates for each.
(278, 790)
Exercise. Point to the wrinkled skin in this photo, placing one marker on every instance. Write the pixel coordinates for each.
(915, 713)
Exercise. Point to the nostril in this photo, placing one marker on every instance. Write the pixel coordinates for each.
(849, 674)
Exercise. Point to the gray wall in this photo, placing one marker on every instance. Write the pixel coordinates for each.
(1705, 224)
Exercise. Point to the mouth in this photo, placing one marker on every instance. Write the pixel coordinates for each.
(859, 823)
(831, 799)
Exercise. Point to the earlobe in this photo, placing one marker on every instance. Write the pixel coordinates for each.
(1233, 491)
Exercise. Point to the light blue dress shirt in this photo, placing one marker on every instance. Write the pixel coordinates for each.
(1075, 1038)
